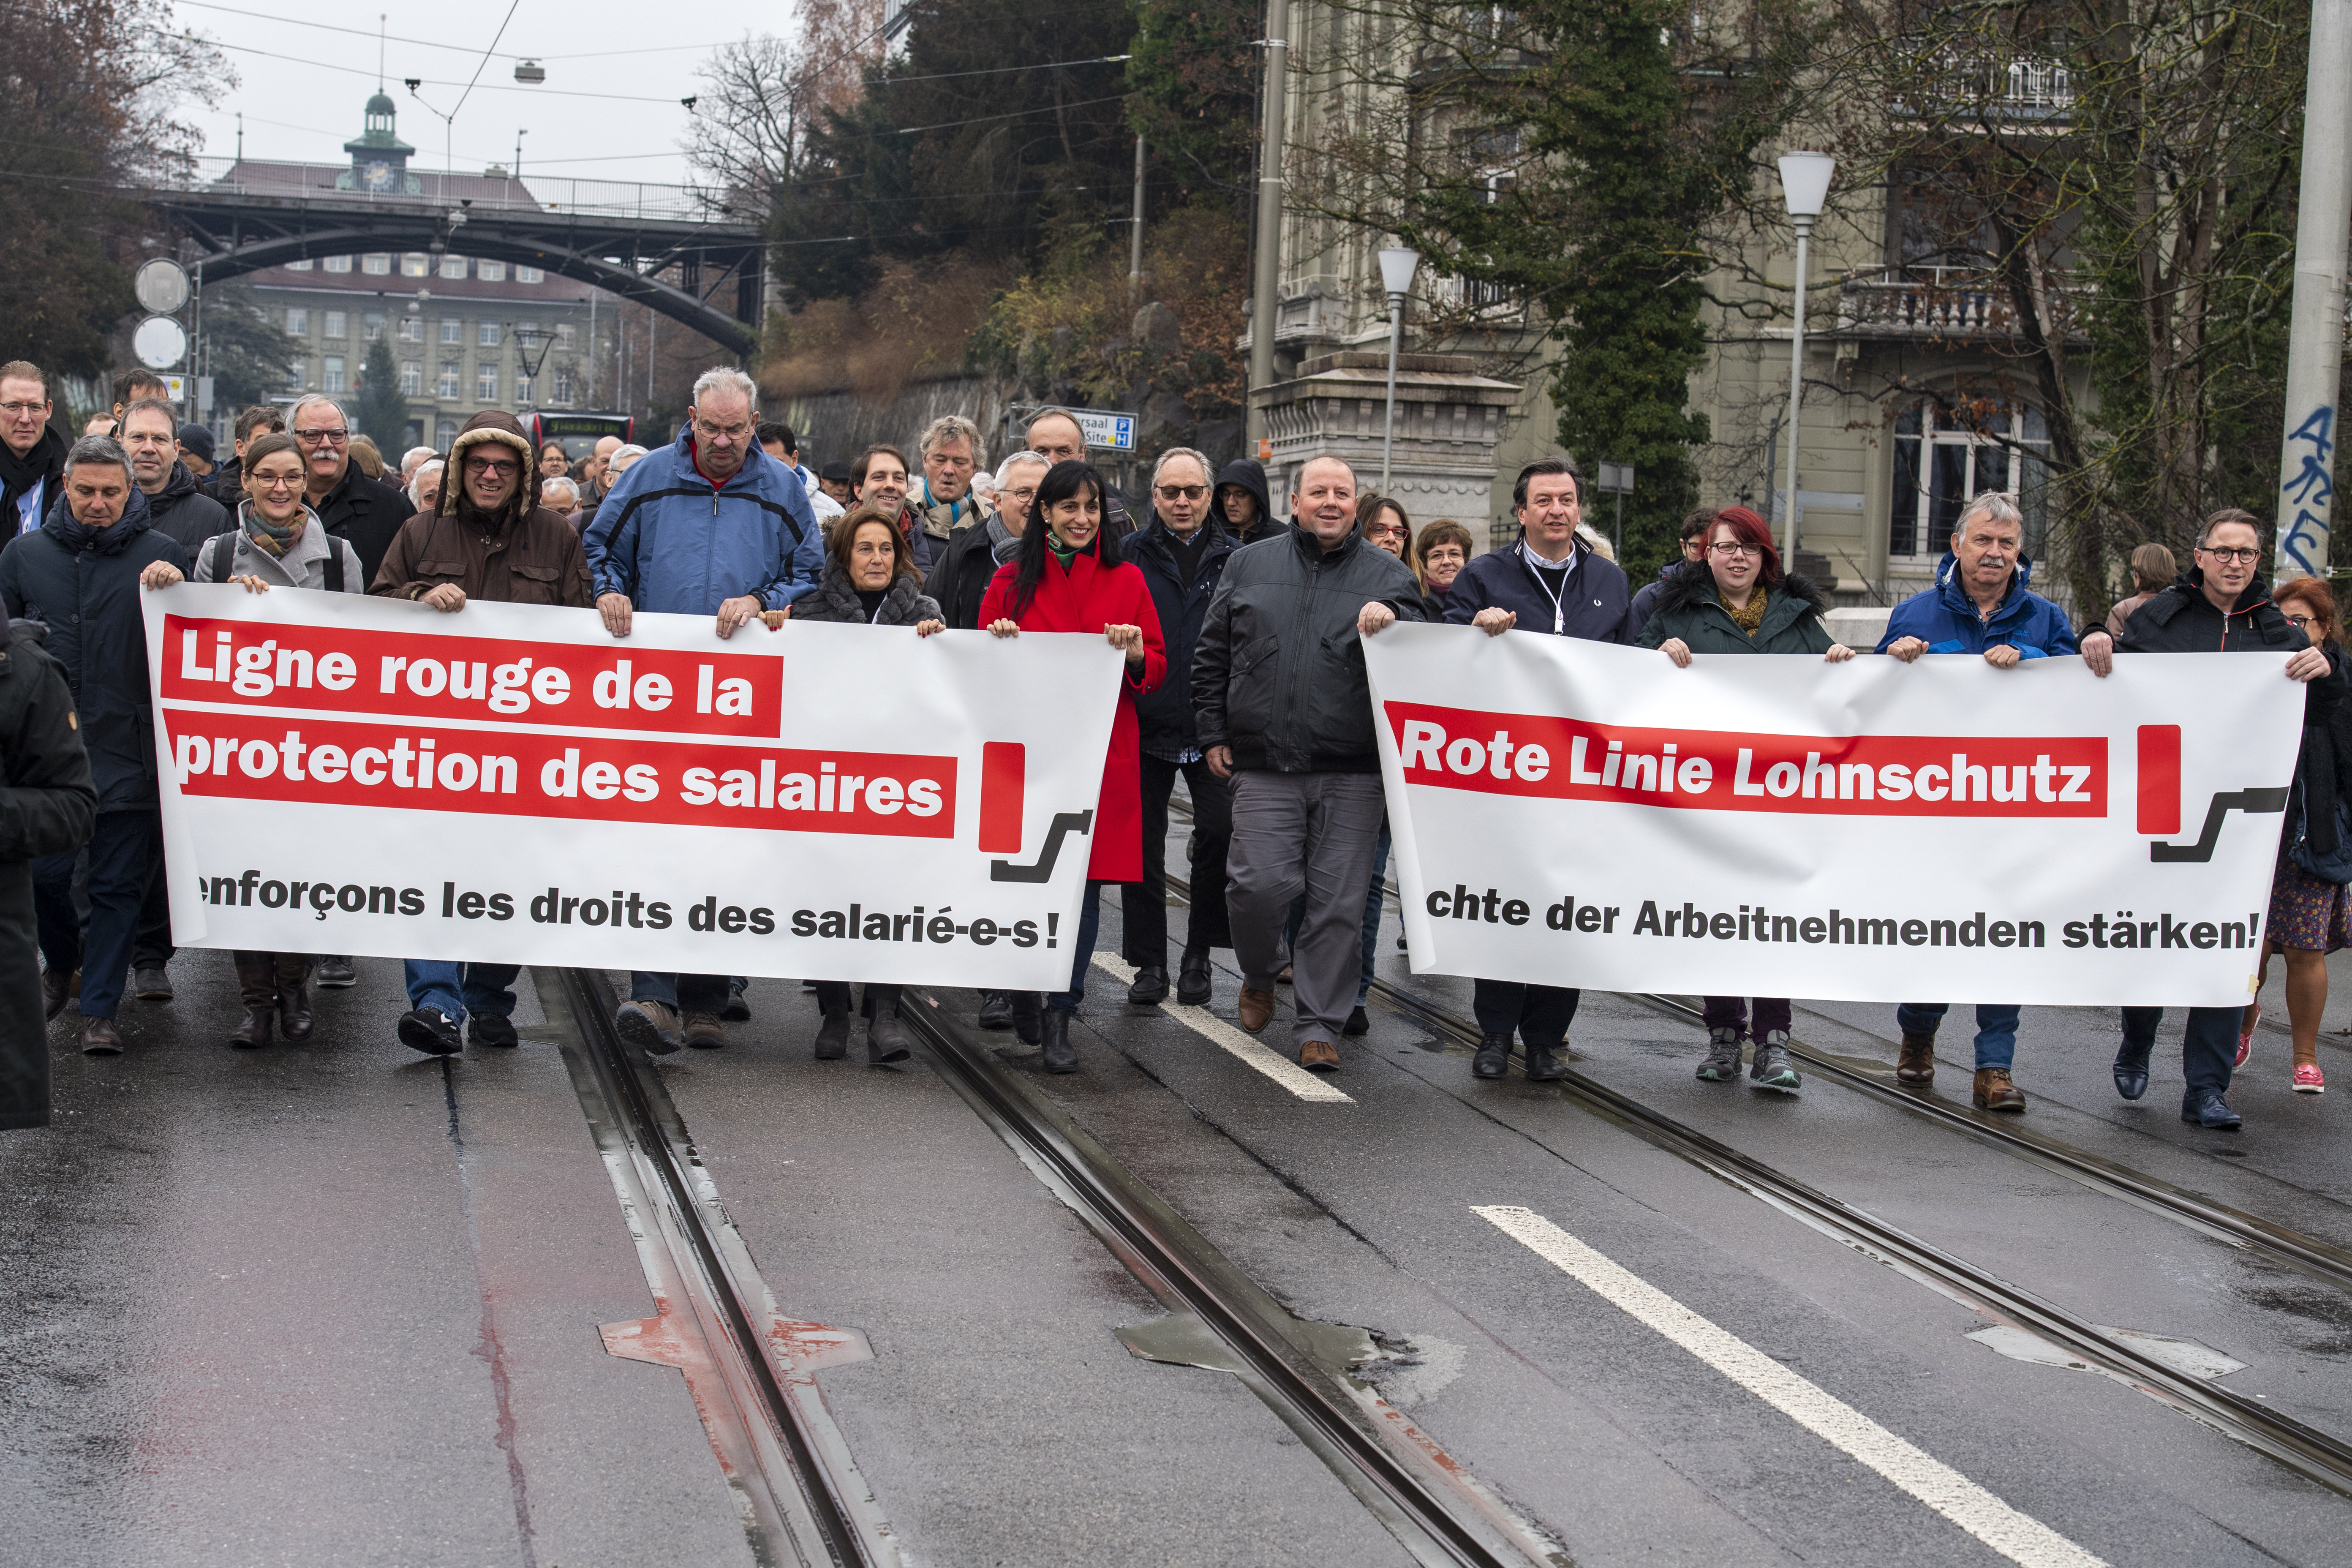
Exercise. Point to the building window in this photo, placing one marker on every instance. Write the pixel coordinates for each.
(376, 266)
(564, 334)
(1945, 457)
(562, 397)
(298, 322)
(486, 384)
(339, 264)
(411, 329)
(448, 387)
(333, 379)
(453, 330)
(297, 267)
(411, 377)
(416, 264)
(444, 432)
(453, 266)
(338, 324)
(486, 334)
(522, 390)
(294, 374)
(491, 271)
(372, 325)
(529, 275)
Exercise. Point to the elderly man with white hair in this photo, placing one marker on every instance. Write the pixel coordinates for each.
(561, 495)
(966, 562)
(710, 525)
(424, 484)
(412, 459)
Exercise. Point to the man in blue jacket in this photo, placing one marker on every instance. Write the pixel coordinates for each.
(1979, 606)
(1542, 584)
(710, 525)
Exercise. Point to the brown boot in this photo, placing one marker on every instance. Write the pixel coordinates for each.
(257, 984)
(100, 1037)
(1256, 1007)
(1917, 1064)
(293, 978)
(1996, 1092)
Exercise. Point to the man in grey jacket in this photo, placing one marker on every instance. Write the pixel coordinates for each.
(1281, 707)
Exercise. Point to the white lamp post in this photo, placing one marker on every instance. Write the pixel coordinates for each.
(1805, 186)
(1397, 267)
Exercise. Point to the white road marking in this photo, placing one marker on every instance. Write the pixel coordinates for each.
(2016, 1536)
(1219, 1033)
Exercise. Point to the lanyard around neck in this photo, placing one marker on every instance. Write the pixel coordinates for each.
(1537, 567)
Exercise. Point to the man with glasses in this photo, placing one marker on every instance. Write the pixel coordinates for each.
(2220, 605)
(1979, 606)
(176, 504)
(710, 525)
(1056, 435)
(31, 453)
(352, 505)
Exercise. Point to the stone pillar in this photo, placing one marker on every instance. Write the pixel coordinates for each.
(1449, 420)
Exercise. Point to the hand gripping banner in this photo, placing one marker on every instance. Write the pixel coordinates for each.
(514, 785)
(1572, 813)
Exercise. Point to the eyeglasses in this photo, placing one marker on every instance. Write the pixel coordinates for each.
(1385, 531)
(1727, 551)
(491, 466)
(1020, 492)
(2247, 554)
(1182, 492)
(278, 481)
(2303, 620)
(24, 410)
(329, 437)
(710, 432)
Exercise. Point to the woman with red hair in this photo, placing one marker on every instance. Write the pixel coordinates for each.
(1740, 602)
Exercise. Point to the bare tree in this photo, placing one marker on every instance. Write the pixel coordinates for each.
(763, 95)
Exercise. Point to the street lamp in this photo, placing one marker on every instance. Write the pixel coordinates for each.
(1805, 187)
(1397, 267)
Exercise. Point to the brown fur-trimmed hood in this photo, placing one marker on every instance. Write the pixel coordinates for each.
(490, 425)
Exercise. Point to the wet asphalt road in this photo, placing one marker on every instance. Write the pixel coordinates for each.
(335, 1303)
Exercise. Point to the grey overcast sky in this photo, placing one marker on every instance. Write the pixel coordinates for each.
(608, 110)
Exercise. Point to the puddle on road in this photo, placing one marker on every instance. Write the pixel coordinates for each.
(2186, 1357)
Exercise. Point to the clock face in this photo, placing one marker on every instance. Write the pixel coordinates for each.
(376, 176)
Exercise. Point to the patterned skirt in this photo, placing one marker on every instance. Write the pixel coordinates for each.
(2306, 913)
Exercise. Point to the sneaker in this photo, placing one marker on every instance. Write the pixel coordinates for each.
(491, 1029)
(737, 1010)
(1772, 1069)
(705, 1032)
(648, 1026)
(2246, 1022)
(2308, 1078)
(428, 1030)
(1722, 1064)
(149, 982)
(336, 972)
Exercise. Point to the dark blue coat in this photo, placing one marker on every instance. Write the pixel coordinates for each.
(1596, 603)
(1946, 619)
(1165, 717)
(84, 585)
(1645, 603)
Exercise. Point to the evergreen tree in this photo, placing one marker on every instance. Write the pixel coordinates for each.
(380, 411)
(245, 353)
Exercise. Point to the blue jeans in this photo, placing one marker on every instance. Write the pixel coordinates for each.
(1090, 923)
(1372, 912)
(459, 990)
(684, 992)
(123, 846)
(1996, 1028)
(2208, 1045)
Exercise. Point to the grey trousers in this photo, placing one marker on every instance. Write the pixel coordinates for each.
(1313, 833)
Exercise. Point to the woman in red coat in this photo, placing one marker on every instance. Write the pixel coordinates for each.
(1068, 577)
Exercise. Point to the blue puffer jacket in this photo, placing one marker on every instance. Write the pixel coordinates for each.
(674, 543)
(1946, 619)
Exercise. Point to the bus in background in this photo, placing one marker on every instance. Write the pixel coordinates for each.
(577, 433)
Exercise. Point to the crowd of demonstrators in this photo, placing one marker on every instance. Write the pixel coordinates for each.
(2311, 911)
(1440, 551)
(943, 501)
(710, 525)
(870, 579)
(777, 441)
(1737, 600)
(1182, 554)
(1070, 574)
(32, 451)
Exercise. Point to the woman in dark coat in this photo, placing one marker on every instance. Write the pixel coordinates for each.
(1439, 553)
(870, 579)
(2310, 916)
(1741, 603)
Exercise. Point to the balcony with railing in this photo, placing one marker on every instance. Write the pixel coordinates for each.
(1966, 83)
(1943, 304)
(1479, 302)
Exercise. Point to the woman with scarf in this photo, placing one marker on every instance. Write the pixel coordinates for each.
(1068, 576)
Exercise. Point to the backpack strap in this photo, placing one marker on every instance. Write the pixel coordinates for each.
(334, 564)
(224, 551)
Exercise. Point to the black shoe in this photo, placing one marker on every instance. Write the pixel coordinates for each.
(1359, 1023)
(996, 1009)
(427, 1030)
(1193, 978)
(491, 1029)
(149, 982)
(335, 973)
(2131, 1079)
(1150, 987)
(1493, 1058)
(885, 1037)
(1543, 1067)
(1025, 1022)
(737, 1010)
(1060, 1054)
(2209, 1111)
(832, 1036)
(56, 990)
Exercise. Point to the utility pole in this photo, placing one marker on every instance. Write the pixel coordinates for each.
(1263, 312)
(1135, 240)
(2315, 352)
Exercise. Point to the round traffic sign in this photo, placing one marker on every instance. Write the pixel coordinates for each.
(160, 342)
(162, 285)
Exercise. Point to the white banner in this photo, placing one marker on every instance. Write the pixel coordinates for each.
(1572, 813)
(511, 783)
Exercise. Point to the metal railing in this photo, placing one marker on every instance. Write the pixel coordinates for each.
(1956, 303)
(534, 192)
(2015, 87)
(1489, 301)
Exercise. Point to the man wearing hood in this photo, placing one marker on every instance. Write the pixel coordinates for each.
(489, 538)
(1242, 509)
(81, 574)
(32, 455)
(176, 503)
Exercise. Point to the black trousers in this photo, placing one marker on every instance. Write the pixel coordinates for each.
(1143, 906)
(152, 947)
(1540, 1014)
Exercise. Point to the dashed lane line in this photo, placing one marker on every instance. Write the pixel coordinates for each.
(1224, 1035)
(2016, 1536)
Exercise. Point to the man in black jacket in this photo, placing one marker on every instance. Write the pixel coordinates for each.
(82, 576)
(1542, 584)
(47, 807)
(2220, 605)
(1181, 555)
(1240, 504)
(366, 511)
(32, 451)
(177, 505)
(1281, 707)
